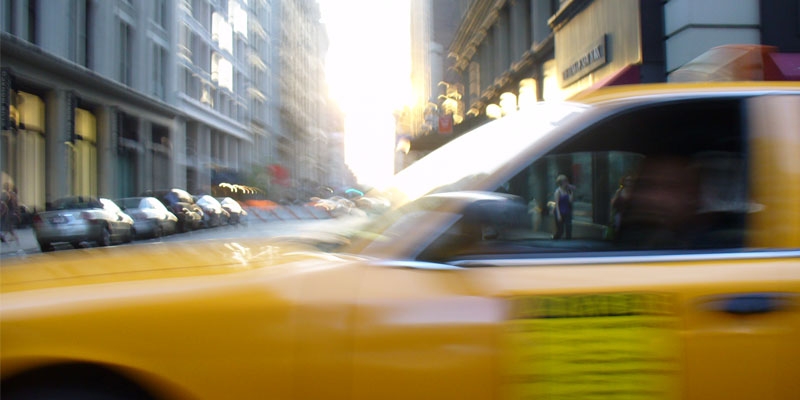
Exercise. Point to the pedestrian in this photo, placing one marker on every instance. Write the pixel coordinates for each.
(9, 214)
(564, 196)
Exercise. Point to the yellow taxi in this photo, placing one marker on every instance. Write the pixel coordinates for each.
(484, 280)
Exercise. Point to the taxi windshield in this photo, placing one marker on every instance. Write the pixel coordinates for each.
(461, 163)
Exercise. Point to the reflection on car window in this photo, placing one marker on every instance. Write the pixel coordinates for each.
(109, 205)
(132, 202)
(152, 203)
(76, 203)
(669, 177)
(456, 172)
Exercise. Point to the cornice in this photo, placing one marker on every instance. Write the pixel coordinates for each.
(568, 10)
(480, 17)
(28, 54)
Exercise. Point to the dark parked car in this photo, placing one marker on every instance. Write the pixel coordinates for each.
(180, 203)
(79, 219)
(26, 215)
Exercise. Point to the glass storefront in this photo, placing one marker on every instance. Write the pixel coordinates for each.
(23, 150)
(82, 154)
(595, 178)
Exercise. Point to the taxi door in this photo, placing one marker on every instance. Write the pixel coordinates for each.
(581, 322)
(571, 321)
(722, 323)
(745, 341)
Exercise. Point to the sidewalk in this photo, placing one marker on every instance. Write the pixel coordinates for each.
(27, 243)
(286, 213)
(257, 215)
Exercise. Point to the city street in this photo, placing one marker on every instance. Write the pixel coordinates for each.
(257, 227)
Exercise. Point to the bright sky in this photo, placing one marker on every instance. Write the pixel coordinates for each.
(368, 71)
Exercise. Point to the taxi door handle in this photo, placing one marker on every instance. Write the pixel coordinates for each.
(750, 303)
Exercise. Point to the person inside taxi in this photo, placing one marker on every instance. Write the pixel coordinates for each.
(662, 206)
(621, 201)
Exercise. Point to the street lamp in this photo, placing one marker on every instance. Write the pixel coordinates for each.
(494, 111)
(527, 93)
(508, 103)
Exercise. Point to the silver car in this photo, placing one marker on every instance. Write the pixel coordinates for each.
(150, 217)
(236, 214)
(78, 220)
(213, 213)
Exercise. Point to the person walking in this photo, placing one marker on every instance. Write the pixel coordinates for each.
(563, 209)
(9, 214)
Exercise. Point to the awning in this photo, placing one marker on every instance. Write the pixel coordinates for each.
(782, 67)
(740, 63)
(626, 76)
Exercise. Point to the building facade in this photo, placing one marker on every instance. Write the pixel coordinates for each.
(498, 47)
(302, 94)
(214, 75)
(507, 54)
(115, 97)
(433, 26)
(88, 100)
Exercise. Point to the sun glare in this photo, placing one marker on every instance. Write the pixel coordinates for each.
(368, 73)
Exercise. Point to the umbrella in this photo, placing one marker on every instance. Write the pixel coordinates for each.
(353, 192)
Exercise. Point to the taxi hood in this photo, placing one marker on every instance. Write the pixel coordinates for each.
(151, 261)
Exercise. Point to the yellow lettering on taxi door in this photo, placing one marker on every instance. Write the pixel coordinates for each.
(609, 346)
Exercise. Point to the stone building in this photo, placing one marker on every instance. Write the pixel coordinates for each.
(508, 54)
(115, 97)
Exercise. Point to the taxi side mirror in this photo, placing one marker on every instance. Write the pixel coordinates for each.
(496, 217)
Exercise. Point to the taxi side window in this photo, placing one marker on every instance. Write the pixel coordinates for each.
(670, 177)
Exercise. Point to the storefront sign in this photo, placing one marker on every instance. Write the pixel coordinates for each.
(587, 62)
(446, 124)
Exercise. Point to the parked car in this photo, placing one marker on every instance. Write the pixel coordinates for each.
(79, 219)
(459, 290)
(180, 203)
(213, 213)
(336, 206)
(236, 214)
(150, 217)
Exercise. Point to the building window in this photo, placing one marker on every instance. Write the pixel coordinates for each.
(186, 46)
(159, 69)
(33, 36)
(8, 20)
(84, 35)
(126, 54)
(201, 13)
(222, 71)
(486, 60)
(474, 81)
(74, 24)
(190, 86)
(160, 13)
